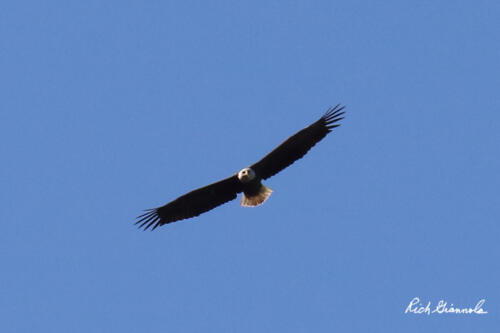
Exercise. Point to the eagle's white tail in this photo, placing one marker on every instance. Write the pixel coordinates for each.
(257, 199)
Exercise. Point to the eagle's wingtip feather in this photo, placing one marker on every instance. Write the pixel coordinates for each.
(148, 219)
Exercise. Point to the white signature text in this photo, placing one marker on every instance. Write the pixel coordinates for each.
(442, 306)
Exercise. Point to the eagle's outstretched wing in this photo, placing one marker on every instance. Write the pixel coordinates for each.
(192, 204)
(296, 146)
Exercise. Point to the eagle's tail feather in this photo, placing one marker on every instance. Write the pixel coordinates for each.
(257, 199)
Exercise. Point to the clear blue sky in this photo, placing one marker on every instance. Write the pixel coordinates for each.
(111, 107)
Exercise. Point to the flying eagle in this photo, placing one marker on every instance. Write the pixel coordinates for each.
(247, 180)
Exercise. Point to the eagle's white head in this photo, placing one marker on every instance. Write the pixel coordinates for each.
(246, 175)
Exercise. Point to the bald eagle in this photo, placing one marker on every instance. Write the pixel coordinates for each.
(247, 180)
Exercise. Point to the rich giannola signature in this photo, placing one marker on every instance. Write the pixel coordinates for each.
(418, 307)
